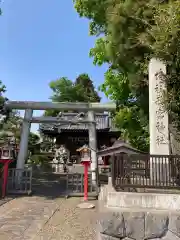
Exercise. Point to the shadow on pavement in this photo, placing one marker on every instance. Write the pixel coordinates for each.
(6, 199)
(53, 185)
(49, 185)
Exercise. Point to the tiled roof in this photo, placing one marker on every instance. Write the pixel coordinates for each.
(103, 121)
(119, 146)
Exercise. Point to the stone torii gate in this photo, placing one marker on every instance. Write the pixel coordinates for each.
(29, 106)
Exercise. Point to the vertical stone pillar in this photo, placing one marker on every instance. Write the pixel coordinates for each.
(93, 147)
(158, 122)
(23, 150)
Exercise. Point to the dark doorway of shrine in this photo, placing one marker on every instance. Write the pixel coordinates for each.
(76, 139)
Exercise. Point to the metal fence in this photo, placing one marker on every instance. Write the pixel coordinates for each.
(19, 181)
(75, 185)
(51, 167)
(145, 171)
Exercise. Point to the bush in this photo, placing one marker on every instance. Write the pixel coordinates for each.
(39, 159)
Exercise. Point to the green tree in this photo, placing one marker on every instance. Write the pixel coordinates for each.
(133, 32)
(4, 113)
(130, 117)
(166, 46)
(87, 92)
(11, 124)
(125, 82)
(34, 140)
(12, 128)
(65, 90)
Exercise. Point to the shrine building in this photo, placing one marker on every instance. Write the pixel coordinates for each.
(75, 136)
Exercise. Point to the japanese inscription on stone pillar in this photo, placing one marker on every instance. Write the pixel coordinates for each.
(158, 117)
(160, 110)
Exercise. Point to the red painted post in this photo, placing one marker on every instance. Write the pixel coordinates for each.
(85, 161)
(86, 165)
(5, 176)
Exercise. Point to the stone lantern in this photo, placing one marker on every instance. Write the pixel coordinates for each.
(7, 153)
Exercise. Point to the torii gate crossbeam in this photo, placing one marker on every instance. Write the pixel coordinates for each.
(84, 107)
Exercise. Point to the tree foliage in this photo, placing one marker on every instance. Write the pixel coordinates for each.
(4, 113)
(11, 126)
(80, 90)
(12, 130)
(2, 91)
(34, 140)
(130, 33)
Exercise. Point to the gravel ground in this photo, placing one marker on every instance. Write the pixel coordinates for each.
(70, 222)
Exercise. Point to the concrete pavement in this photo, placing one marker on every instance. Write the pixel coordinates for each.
(23, 217)
(39, 218)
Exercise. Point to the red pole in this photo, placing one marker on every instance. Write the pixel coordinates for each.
(86, 165)
(5, 178)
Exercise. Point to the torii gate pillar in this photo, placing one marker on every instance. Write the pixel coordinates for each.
(23, 149)
(93, 146)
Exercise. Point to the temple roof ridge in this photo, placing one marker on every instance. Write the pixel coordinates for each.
(103, 121)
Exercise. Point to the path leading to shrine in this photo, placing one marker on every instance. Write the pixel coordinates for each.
(40, 218)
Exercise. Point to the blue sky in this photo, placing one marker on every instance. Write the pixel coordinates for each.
(42, 41)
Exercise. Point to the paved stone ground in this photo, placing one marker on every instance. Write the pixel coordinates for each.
(5, 200)
(70, 223)
(46, 215)
(21, 218)
(39, 218)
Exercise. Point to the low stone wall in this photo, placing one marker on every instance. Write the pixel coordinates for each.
(138, 216)
(169, 202)
(125, 225)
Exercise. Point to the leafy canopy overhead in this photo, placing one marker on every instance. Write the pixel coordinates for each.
(130, 33)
